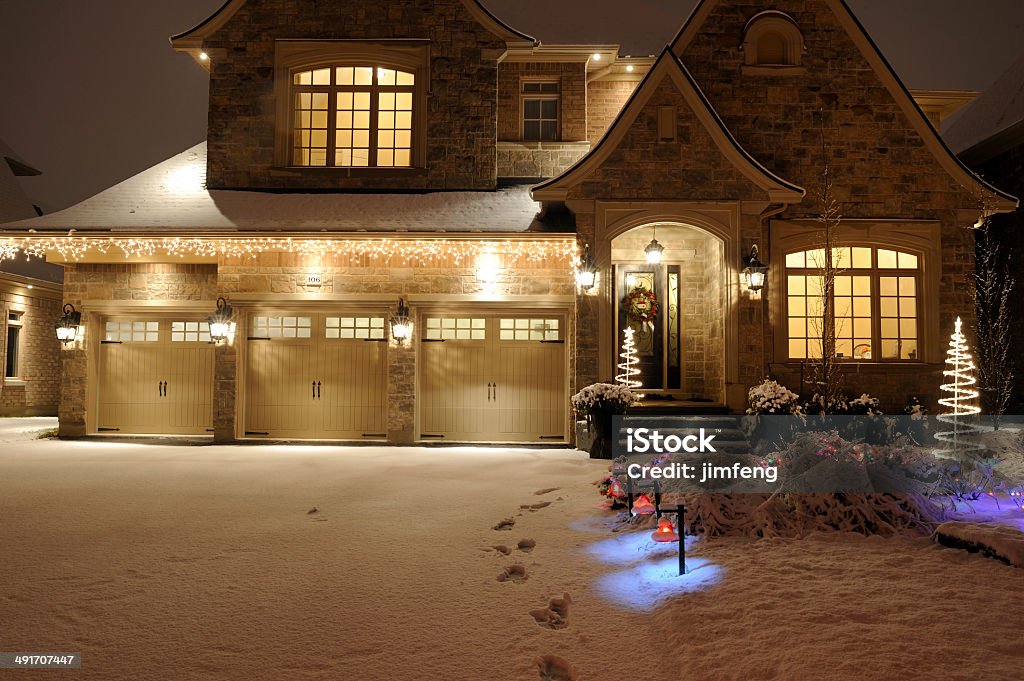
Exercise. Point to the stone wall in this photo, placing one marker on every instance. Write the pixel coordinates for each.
(462, 104)
(533, 160)
(605, 99)
(36, 391)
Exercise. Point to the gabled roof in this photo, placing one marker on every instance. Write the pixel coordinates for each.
(670, 67)
(192, 39)
(994, 122)
(1003, 202)
(16, 163)
(171, 197)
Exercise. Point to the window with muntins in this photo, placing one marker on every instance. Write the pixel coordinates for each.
(14, 326)
(352, 117)
(875, 310)
(541, 101)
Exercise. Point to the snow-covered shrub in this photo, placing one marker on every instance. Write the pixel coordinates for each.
(865, 405)
(603, 398)
(915, 409)
(771, 397)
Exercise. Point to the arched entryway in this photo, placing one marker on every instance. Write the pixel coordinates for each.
(682, 348)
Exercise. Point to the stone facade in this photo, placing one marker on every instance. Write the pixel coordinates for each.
(572, 81)
(533, 160)
(462, 103)
(36, 389)
(605, 99)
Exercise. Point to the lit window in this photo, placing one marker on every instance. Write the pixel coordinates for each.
(874, 315)
(458, 328)
(540, 110)
(131, 332)
(352, 117)
(528, 330)
(282, 328)
(190, 332)
(14, 327)
(352, 328)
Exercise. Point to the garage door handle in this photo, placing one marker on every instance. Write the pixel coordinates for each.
(489, 386)
(314, 390)
(318, 390)
(495, 392)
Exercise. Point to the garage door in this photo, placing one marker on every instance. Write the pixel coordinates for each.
(156, 377)
(493, 378)
(317, 376)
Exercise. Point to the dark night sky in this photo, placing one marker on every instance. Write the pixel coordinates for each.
(91, 92)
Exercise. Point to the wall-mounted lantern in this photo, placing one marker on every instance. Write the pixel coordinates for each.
(221, 324)
(401, 323)
(586, 273)
(755, 272)
(69, 325)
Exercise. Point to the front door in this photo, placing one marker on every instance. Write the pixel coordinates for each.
(648, 300)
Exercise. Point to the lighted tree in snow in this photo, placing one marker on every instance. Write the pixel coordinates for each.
(627, 368)
(961, 401)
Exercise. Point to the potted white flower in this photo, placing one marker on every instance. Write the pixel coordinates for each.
(599, 402)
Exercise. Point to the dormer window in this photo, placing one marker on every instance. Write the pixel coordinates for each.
(357, 106)
(352, 117)
(772, 42)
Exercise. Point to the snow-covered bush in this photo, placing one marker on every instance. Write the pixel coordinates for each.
(915, 409)
(865, 405)
(603, 398)
(771, 397)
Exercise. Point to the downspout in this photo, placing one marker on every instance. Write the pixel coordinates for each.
(766, 215)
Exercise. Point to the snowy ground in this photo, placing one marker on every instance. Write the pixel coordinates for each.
(162, 562)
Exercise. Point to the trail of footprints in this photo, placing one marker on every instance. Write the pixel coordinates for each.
(556, 614)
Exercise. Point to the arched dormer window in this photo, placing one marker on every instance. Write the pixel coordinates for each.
(351, 105)
(772, 41)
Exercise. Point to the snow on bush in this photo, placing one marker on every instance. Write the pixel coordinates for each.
(771, 397)
(603, 398)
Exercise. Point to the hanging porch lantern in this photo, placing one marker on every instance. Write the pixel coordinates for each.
(755, 272)
(401, 323)
(586, 274)
(221, 324)
(654, 252)
(68, 326)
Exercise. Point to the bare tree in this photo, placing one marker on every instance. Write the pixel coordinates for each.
(993, 287)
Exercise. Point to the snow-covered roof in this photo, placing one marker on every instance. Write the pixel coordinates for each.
(172, 197)
(993, 114)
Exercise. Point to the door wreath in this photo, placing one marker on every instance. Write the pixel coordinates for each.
(641, 305)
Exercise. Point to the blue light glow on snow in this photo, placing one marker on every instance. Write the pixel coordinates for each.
(645, 586)
(989, 509)
(653, 576)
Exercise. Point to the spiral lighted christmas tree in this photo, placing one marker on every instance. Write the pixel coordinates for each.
(627, 368)
(962, 401)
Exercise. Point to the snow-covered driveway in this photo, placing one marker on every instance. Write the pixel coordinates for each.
(203, 562)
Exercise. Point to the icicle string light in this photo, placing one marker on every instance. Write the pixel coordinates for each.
(423, 252)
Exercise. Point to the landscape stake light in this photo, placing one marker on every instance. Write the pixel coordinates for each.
(221, 322)
(666, 532)
(68, 325)
(401, 324)
(754, 271)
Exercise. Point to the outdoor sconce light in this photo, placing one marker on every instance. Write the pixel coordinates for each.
(754, 272)
(654, 252)
(69, 324)
(401, 324)
(586, 275)
(488, 267)
(221, 325)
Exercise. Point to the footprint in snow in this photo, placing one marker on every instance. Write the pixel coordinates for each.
(500, 548)
(505, 524)
(554, 668)
(532, 508)
(546, 490)
(526, 545)
(556, 615)
(513, 573)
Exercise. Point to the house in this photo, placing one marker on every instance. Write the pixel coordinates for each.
(989, 137)
(370, 163)
(30, 298)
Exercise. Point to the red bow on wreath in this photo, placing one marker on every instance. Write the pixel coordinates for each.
(641, 305)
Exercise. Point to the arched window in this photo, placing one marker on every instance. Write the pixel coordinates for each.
(772, 39)
(876, 304)
(352, 116)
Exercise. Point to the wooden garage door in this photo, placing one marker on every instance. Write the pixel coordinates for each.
(317, 376)
(155, 377)
(493, 378)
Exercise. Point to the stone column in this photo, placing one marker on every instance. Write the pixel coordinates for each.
(225, 391)
(402, 389)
